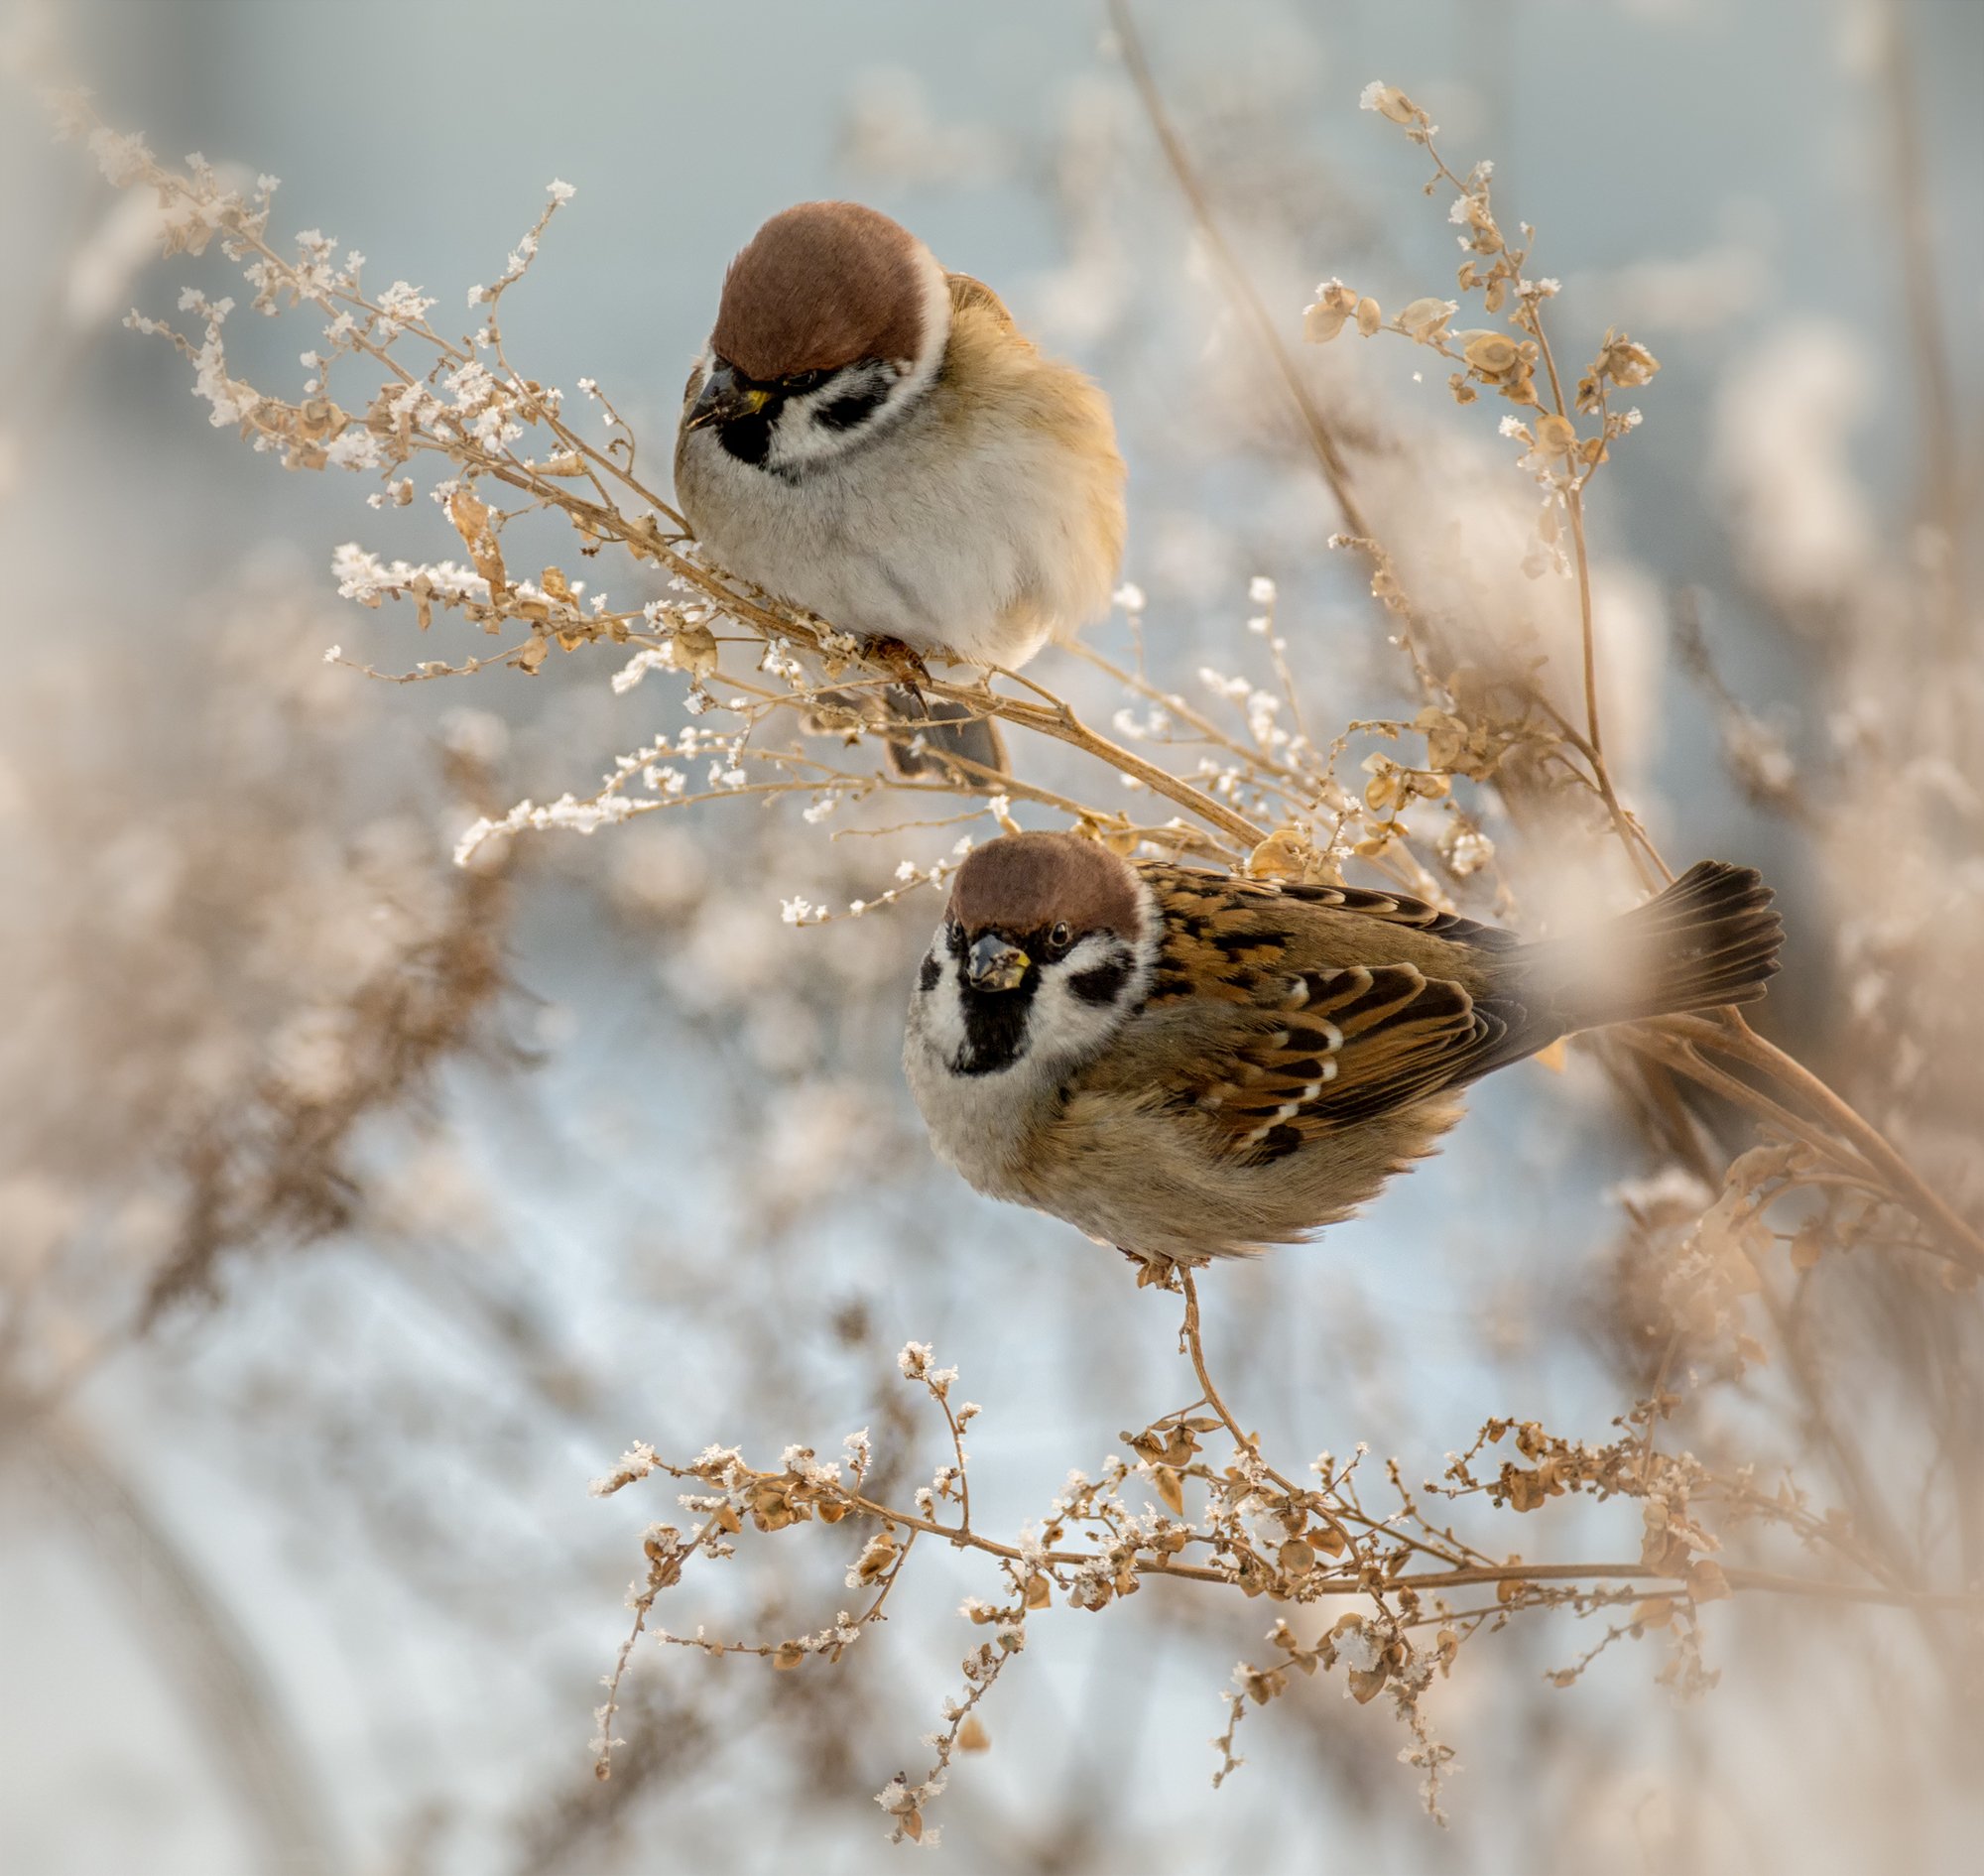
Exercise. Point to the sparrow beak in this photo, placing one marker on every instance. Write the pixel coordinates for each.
(723, 399)
(996, 964)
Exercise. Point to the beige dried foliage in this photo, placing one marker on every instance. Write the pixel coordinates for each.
(236, 980)
(1489, 736)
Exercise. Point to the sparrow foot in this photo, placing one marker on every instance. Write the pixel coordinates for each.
(902, 661)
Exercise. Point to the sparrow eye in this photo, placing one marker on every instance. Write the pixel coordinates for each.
(1060, 938)
(801, 382)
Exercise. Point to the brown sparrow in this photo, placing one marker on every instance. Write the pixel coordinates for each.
(873, 440)
(1190, 1065)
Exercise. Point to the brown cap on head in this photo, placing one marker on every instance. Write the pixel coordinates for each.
(818, 287)
(1029, 882)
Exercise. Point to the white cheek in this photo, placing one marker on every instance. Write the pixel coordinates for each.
(799, 437)
(1065, 1022)
(939, 1010)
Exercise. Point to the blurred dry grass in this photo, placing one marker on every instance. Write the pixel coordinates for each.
(249, 981)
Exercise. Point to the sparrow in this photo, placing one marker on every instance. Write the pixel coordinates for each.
(872, 440)
(1190, 1064)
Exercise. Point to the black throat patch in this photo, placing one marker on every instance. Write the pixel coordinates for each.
(995, 1025)
(995, 1020)
(749, 439)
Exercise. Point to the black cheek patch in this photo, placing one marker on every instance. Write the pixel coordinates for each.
(927, 977)
(857, 407)
(1100, 983)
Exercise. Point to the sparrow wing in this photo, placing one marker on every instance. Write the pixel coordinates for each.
(1294, 1013)
(1399, 909)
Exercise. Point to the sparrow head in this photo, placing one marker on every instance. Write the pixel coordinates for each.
(1048, 943)
(833, 319)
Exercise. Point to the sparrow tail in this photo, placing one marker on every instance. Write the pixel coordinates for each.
(944, 729)
(1710, 940)
(917, 732)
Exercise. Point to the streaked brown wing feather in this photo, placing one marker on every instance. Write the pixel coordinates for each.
(1401, 909)
(1314, 1026)
(1224, 931)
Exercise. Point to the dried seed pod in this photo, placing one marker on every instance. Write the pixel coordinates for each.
(1425, 319)
(1491, 353)
(1324, 320)
(695, 650)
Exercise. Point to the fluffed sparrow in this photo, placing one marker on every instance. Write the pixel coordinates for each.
(1185, 1064)
(873, 440)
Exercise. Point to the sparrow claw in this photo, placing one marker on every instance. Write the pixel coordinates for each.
(944, 729)
(903, 662)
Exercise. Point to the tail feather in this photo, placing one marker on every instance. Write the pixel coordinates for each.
(939, 729)
(1710, 939)
(918, 732)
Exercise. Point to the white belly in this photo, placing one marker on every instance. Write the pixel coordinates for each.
(981, 535)
(978, 1124)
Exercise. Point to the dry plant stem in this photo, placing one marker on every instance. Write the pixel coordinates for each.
(1573, 502)
(1937, 401)
(1732, 1035)
(767, 1650)
(1189, 1337)
(1192, 1343)
(1638, 849)
(603, 520)
(1329, 454)
(1062, 725)
(665, 1578)
(1676, 1042)
(1769, 1582)
(1740, 1040)
(1056, 721)
(1210, 731)
(1681, 1054)
(963, 1472)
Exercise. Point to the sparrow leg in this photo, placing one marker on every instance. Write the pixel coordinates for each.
(947, 729)
(902, 661)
